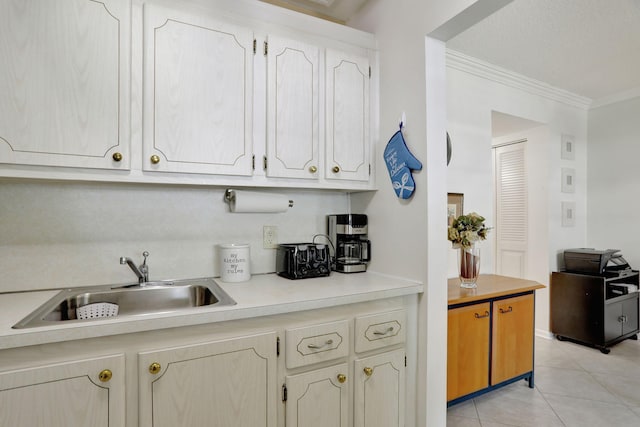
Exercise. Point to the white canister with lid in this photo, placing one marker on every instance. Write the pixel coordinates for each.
(234, 262)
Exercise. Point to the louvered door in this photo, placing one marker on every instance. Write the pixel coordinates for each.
(511, 210)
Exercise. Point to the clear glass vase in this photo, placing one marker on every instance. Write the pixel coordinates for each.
(469, 263)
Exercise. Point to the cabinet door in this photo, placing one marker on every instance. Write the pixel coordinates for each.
(71, 394)
(512, 352)
(347, 116)
(630, 313)
(223, 383)
(197, 94)
(64, 79)
(621, 318)
(292, 112)
(379, 388)
(468, 349)
(318, 398)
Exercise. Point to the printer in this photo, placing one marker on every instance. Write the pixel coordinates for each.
(607, 262)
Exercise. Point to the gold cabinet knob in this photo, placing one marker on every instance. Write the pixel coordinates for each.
(342, 378)
(154, 368)
(368, 371)
(155, 159)
(105, 375)
(313, 169)
(117, 157)
(335, 169)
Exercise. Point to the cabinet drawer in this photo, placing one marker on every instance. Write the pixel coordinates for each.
(317, 343)
(380, 330)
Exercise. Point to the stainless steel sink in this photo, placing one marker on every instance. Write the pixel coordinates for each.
(132, 300)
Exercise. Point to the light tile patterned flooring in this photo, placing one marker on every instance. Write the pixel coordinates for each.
(574, 386)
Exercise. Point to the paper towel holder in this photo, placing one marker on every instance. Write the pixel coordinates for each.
(230, 196)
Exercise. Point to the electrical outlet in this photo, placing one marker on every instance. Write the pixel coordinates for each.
(269, 237)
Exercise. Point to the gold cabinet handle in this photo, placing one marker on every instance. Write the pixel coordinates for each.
(117, 157)
(342, 378)
(105, 375)
(313, 169)
(335, 169)
(368, 371)
(478, 316)
(154, 368)
(155, 159)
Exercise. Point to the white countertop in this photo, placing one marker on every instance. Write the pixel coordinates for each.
(263, 295)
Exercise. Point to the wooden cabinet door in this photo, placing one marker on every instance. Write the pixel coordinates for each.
(347, 116)
(64, 79)
(512, 352)
(292, 109)
(222, 383)
(318, 398)
(379, 390)
(70, 394)
(468, 349)
(198, 94)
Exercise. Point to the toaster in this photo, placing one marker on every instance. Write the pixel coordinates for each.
(302, 260)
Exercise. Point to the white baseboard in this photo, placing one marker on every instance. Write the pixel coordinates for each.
(544, 334)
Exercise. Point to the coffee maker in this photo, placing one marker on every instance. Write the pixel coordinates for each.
(348, 232)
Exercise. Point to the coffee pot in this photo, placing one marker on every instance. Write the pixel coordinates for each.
(348, 232)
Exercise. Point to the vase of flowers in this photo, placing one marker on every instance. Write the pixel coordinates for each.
(465, 232)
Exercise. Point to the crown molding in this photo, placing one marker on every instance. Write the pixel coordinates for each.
(617, 97)
(468, 64)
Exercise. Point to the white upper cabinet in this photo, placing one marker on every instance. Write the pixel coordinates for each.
(64, 80)
(347, 116)
(292, 109)
(173, 92)
(198, 81)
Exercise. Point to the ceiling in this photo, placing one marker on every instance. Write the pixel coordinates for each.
(333, 10)
(590, 48)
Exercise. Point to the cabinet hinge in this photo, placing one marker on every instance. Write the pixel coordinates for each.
(253, 162)
(278, 346)
(369, 169)
(369, 72)
(255, 47)
(284, 392)
(264, 162)
(266, 48)
(405, 361)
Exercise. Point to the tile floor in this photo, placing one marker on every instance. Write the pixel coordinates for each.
(574, 386)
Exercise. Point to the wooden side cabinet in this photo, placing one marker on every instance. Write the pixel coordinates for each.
(512, 338)
(490, 337)
(468, 349)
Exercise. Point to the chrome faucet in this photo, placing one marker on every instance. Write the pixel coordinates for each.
(142, 272)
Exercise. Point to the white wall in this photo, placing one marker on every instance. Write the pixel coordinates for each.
(470, 101)
(613, 177)
(409, 235)
(72, 234)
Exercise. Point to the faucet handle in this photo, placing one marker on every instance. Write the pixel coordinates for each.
(145, 254)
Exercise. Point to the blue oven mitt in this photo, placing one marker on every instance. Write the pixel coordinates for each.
(400, 162)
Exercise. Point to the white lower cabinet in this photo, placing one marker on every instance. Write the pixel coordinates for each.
(221, 383)
(371, 394)
(342, 366)
(78, 393)
(318, 398)
(379, 390)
